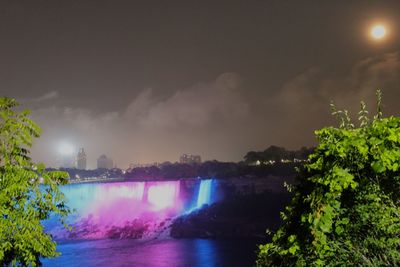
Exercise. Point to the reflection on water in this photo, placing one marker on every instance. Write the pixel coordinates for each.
(156, 253)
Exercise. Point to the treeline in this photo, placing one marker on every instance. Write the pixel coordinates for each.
(171, 171)
(272, 161)
(275, 154)
(77, 174)
(211, 169)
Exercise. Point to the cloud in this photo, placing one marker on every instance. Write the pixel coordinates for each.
(217, 119)
(46, 96)
(314, 88)
(192, 107)
(304, 99)
(150, 128)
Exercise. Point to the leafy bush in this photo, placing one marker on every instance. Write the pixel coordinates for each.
(345, 210)
(28, 194)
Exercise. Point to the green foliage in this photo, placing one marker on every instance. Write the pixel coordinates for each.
(345, 210)
(28, 193)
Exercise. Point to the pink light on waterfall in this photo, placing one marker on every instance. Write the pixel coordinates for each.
(110, 192)
(127, 209)
(164, 195)
(115, 203)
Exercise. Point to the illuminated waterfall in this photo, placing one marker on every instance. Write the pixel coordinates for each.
(204, 195)
(103, 209)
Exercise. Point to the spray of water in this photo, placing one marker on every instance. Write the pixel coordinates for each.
(128, 209)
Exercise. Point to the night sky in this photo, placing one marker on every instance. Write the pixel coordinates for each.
(145, 81)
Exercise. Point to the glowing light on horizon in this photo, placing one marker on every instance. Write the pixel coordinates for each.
(66, 149)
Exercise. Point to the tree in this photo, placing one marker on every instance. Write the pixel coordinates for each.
(28, 193)
(345, 209)
(275, 153)
(252, 157)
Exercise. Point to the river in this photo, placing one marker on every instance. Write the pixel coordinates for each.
(155, 253)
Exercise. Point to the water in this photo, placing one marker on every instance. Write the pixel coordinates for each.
(128, 209)
(138, 208)
(204, 195)
(156, 253)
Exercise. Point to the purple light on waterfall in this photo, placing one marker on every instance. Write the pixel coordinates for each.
(163, 196)
(127, 209)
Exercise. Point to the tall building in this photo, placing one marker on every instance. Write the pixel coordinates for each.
(190, 159)
(81, 159)
(103, 162)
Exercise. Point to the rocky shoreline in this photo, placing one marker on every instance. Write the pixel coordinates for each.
(243, 216)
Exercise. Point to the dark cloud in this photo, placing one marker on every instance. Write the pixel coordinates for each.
(200, 119)
(305, 98)
(312, 89)
(147, 81)
(214, 120)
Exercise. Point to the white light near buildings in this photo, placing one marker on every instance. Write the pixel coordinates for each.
(65, 149)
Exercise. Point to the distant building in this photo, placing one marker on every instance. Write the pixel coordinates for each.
(103, 162)
(81, 159)
(190, 159)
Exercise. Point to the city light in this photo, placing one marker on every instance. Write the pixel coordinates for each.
(66, 149)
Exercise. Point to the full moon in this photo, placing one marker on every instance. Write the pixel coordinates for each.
(378, 32)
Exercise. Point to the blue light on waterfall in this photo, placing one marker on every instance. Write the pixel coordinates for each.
(99, 207)
(204, 196)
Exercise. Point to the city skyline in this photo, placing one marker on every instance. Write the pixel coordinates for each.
(146, 82)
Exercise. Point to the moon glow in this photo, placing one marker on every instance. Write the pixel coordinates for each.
(378, 32)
